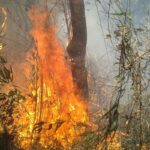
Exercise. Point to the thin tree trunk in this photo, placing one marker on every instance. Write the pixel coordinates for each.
(77, 46)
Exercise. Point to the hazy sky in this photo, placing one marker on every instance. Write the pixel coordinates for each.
(96, 47)
(97, 42)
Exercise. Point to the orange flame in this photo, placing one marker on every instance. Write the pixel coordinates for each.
(56, 112)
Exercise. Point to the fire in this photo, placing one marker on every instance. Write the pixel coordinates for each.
(55, 113)
(112, 142)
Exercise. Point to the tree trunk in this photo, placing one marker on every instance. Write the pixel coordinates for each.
(77, 46)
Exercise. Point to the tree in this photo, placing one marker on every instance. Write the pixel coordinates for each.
(77, 46)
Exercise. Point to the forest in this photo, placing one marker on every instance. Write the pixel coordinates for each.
(74, 75)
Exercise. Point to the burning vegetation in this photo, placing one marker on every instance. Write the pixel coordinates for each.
(65, 104)
(54, 113)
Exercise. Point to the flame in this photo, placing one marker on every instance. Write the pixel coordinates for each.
(112, 142)
(55, 113)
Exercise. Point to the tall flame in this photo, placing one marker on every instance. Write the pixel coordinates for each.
(55, 114)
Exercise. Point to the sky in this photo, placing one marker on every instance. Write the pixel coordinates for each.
(97, 46)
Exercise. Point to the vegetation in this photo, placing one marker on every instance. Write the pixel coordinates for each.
(53, 113)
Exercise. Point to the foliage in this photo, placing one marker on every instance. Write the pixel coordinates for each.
(130, 42)
(8, 102)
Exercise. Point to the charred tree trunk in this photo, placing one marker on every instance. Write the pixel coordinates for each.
(77, 46)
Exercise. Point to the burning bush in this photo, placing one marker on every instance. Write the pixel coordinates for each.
(54, 114)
